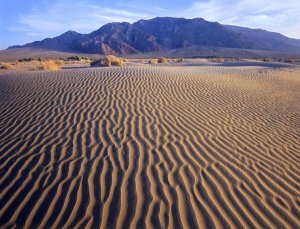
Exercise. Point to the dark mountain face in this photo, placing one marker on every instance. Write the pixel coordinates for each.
(179, 33)
(262, 39)
(165, 33)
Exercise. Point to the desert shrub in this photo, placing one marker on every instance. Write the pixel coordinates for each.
(7, 66)
(163, 60)
(109, 61)
(85, 58)
(77, 58)
(26, 59)
(153, 61)
(97, 63)
(115, 61)
(59, 62)
(288, 61)
(221, 60)
(47, 65)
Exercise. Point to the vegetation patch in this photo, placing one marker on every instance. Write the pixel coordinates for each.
(47, 65)
(75, 58)
(26, 59)
(153, 61)
(162, 60)
(109, 61)
(78, 58)
(8, 66)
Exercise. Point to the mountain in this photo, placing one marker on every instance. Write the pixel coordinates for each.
(163, 34)
(265, 40)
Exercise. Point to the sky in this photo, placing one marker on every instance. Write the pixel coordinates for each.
(23, 21)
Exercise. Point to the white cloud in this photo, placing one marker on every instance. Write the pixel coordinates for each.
(55, 18)
(274, 15)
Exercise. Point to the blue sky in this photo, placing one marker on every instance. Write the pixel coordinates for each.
(25, 21)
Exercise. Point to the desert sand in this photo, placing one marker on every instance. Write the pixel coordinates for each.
(150, 147)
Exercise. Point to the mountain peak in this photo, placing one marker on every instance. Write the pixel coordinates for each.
(70, 33)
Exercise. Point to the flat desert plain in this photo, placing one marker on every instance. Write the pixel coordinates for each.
(150, 147)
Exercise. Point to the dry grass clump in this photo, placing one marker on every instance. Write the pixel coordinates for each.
(153, 61)
(86, 61)
(125, 60)
(109, 61)
(115, 61)
(47, 65)
(7, 66)
(163, 60)
(59, 62)
(219, 60)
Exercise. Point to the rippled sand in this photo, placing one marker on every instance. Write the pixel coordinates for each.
(135, 147)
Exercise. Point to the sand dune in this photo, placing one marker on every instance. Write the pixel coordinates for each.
(154, 147)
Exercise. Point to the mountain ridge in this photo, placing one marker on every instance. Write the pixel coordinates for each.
(163, 34)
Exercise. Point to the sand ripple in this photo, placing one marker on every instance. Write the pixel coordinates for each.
(156, 147)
